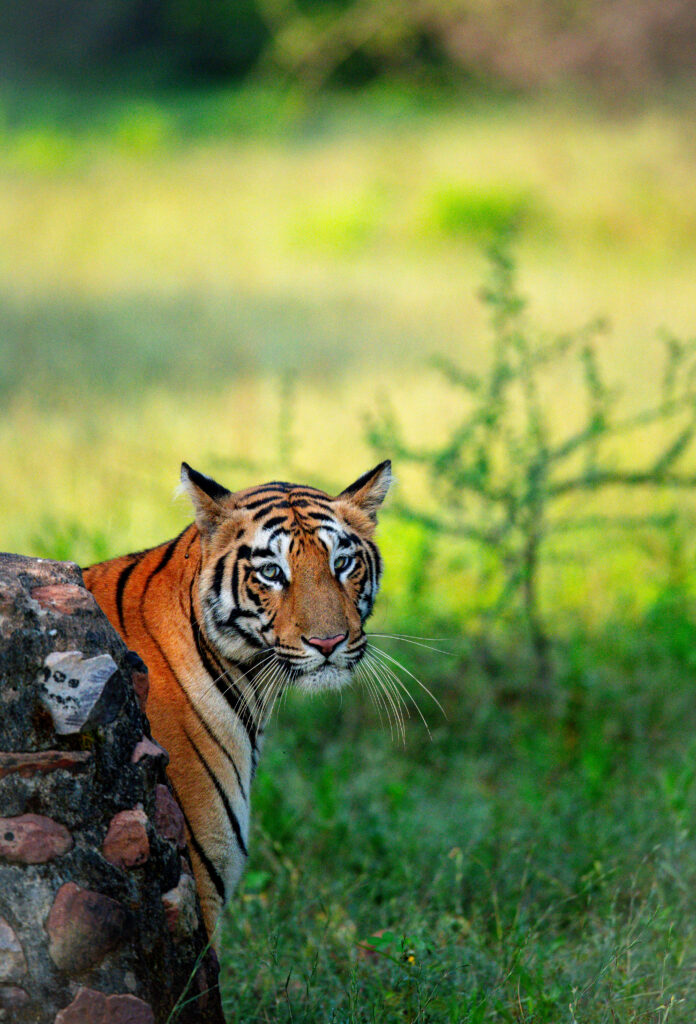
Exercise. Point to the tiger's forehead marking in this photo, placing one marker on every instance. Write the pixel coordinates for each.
(280, 507)
(287, 527)
(284, 517)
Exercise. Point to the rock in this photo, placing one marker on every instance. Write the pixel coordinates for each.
(139, 678)
(92, 1007)
(72, 920)
(64, 597)
(71, 685)
(126, 844)
(88, 1007)
(148, 748)
(13, 964)
(180, 907)
(14, 1003)
(206, 976)
(128, 1010)
(42, 761)
(83, 926)
(33, 839)
(168, 817)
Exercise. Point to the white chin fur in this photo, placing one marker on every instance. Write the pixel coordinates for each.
(327, 677)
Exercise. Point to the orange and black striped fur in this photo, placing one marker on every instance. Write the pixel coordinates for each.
(270, 586)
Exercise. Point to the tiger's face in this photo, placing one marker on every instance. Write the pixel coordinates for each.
(289, 572)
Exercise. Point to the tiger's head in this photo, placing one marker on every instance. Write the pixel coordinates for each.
(290, 570)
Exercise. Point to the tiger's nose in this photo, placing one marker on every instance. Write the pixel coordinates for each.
(326, 644)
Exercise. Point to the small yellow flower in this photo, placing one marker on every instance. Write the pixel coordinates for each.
(411, 958)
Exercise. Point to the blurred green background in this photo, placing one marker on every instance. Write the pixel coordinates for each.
(242, 233)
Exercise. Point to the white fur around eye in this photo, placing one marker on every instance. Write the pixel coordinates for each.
(276, 555)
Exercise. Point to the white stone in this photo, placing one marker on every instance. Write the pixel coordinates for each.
(71, 685)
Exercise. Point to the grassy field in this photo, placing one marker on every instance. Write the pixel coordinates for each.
(238, 279)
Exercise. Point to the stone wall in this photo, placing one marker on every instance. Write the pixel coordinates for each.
(99, 918)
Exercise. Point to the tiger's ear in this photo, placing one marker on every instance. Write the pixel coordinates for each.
(207, 497)
(369, 491)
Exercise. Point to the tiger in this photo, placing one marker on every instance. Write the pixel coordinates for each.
(269, 587)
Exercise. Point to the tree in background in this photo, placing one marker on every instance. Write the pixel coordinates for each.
(508, 478)
(621, 43)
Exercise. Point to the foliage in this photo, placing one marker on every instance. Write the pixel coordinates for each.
(518, 868)
(627, 43)
(466, 210)
(503, 477)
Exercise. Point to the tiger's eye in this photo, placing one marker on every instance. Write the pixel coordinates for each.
(271, 572)
(342, 562)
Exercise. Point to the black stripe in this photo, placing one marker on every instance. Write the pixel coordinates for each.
(120, 587)
(235, 582)
(193, 707)
(219, 573)
(374, 550)
(280, 499)
(370, 562)
(309, 492)
(249, 637)
(263, 553)
(234, 820)
(277, 532)
(274, 485)
(225, 686)
(275, 521)
(166, 556)
(307, 503)
(237, 614)
(202, 855)
(205, 483)
(268, 506)
(365, 478)
(333, 529)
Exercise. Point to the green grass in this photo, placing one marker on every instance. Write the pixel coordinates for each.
(523, 865)
(168, 266)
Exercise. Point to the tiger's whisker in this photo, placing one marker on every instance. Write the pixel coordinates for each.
(274, 687)
(269, 682)
(412, 636)
(402, 687)
(361, 674)
(394, 700)
(397, 696)
(386, 667)
(409, 640)
(395, 661)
